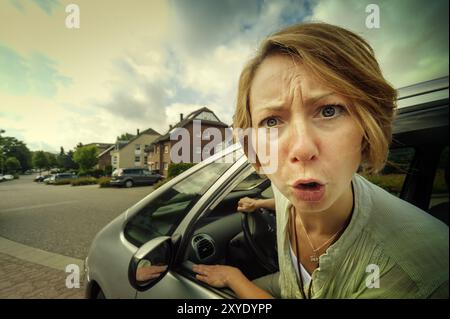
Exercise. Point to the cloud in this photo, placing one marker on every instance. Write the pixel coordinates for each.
(139, 91)
(212, 41)
(412, 41)
(36, 75)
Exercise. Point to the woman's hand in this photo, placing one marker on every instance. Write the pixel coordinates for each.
(218, 276)
(247, 205)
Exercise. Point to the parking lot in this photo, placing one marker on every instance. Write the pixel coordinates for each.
(59, 220)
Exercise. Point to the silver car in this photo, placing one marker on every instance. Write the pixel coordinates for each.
(148, 251)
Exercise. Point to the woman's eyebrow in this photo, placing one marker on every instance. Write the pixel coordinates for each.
(279, 106)
(314, 99)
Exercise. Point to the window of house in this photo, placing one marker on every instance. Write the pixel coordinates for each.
(166, 166)
(137, 158)
(145, 159)
(138, 147)
(166, 149)
(198, 150)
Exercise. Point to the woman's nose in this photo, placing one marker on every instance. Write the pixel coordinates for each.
(303, 143)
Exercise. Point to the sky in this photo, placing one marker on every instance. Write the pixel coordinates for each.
(138, 64)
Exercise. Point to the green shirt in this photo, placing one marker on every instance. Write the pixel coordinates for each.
(406, 245)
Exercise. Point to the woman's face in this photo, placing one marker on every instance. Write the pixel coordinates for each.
(318, 140)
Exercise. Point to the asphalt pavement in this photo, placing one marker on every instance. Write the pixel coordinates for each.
(60, 219)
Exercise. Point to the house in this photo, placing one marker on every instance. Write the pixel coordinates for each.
(101, 149)
(104, 158)
(198, 143)
(132, 153)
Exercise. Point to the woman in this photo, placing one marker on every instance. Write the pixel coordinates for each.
(338, 235)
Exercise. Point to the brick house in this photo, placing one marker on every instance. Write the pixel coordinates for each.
(104, 158)
(101, 148)
(200, 120)
(127, 154)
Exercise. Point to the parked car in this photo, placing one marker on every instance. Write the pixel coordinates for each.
(41, 178)
(59, 177)
(7, 177)
(129, 177)
(193, 218)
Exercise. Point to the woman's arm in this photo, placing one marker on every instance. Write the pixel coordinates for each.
(248, 205)
(221, 276)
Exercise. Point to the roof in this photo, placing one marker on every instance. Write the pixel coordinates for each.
(99, 145)
(191, 116)
(107, 150)
(424, 92)
(148, 131)
(423, 116)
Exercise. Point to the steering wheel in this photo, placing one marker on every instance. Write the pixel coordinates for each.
(259, 228)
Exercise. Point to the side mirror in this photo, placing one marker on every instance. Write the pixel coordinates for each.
(150, 263)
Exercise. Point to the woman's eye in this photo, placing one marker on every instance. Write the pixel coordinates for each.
(270, 122)
(331, 110)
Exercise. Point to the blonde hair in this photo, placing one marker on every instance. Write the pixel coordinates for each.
(348, 64)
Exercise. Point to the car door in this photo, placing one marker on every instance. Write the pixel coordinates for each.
(147, 177)
(170, 214)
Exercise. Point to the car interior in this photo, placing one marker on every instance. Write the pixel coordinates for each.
(244, 240)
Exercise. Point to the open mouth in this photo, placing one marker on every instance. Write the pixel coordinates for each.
(309, 190)
(309, 186)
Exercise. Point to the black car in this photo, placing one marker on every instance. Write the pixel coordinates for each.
(40, 178)
(134, 176)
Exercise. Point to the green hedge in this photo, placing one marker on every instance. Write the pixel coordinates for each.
(391, 182)
(62, 182)
(177, 169)
(84, 181)
(104, 181)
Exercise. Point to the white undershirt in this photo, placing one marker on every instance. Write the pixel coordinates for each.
(306, 277)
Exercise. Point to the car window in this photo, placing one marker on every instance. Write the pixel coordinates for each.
(440, 187)
(252, 181)
(163, 214)
(392, 177)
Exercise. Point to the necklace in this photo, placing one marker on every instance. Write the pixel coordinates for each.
(314, 258)
(300, 284)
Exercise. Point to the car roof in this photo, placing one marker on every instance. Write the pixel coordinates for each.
(422, 116)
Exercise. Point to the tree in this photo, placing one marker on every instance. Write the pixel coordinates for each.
(40, 161)
(2, 154)
(12, 147)
(70, 162)
(125, 137)
(12, 165)
(52, 162)
(65, 161)
(86, 157)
